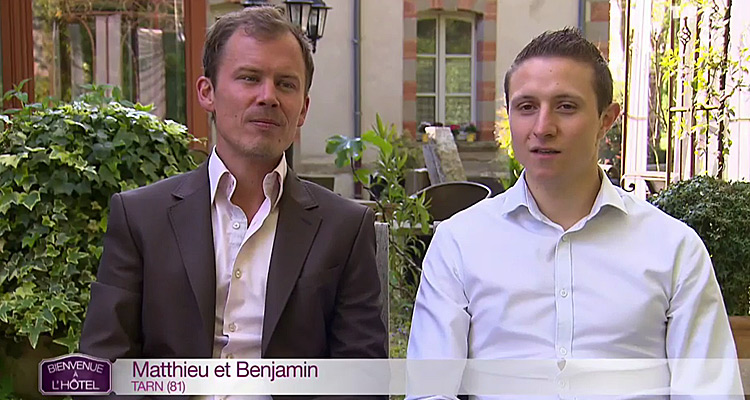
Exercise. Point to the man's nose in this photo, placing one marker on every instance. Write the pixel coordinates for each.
(267, 95)
(546, 123)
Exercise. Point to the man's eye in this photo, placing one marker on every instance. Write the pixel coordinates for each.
(525, 107)
(250, 78)
(288, 85)
(568, 107)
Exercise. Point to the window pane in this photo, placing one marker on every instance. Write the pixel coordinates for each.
(426, 109)
(426, 36)
(457, 110)
(457, 37)
(458, 75)
(426, 75)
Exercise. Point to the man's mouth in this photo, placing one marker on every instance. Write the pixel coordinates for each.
(264, 121)
(544, 151)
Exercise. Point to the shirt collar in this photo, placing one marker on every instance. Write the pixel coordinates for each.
(273, 182)
(520, 196)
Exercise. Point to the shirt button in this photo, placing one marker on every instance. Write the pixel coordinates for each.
(563, 293)
(232, 327)
(564, 239)
(563, 351)
(236, 225)
(230, 356)
(237, 274)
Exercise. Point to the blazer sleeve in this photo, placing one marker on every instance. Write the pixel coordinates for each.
(357, 330)
(112, 328)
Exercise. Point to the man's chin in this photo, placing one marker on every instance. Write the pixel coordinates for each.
(261, 152)
(543, 177)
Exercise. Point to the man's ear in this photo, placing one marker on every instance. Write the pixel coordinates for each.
(608, 118)
(205, 90)
(303, 113)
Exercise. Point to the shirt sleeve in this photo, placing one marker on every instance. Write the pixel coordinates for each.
(700, 347)
(440, 324)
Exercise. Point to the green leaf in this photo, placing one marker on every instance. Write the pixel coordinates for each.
(76, 123)
(148, 168)
(29, 200)
(124, 137)
(70, 341)
(362, 175)
(9, 160)
(26, 290)
(5, 310)
(52, 252)
(342, 160)
(379, 126)
(7, 198)
(35, 331)
(333, 143)
(74, 256)
(48, 317)
(46, 221)
(57, 303)
(29, 240)
(372, 137)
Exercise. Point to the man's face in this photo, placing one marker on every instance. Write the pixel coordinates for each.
(258, 99)
(554, 121)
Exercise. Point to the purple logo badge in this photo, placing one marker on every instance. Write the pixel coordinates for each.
(75, 374)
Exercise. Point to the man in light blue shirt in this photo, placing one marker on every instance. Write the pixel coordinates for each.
(564, 266)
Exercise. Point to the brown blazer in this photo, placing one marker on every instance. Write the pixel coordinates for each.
(155, 290)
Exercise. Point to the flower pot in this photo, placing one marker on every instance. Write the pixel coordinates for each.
(471, 136)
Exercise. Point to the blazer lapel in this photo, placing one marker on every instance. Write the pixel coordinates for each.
(191, 222)
(295, 231)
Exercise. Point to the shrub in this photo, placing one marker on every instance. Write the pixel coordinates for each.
(720, 213)
(59, 165)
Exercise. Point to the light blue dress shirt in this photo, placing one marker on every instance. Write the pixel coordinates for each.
(502, 281)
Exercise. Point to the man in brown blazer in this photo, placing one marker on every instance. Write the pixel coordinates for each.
(240, 258)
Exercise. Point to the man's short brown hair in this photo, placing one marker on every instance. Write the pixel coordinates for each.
(568, 43)
(263, 23)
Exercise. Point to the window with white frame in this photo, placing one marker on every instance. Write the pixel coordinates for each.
(445, 69)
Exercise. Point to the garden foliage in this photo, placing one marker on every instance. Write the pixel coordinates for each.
(59, 165)
(407, 216)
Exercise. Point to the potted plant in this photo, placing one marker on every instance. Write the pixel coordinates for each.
(59, 165)
(471, 132)
(458, 133)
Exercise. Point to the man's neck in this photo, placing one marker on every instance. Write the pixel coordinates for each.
(566, 203)
(248, 193)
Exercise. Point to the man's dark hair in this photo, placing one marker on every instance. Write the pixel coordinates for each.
(568, 43)
(262, 23)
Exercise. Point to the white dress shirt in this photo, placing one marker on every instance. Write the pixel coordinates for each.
(500, 280)
(243, 256)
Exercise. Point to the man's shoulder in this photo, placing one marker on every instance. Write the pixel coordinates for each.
(647, 220)
(642, 210)
(485, 213)
(162, 189)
